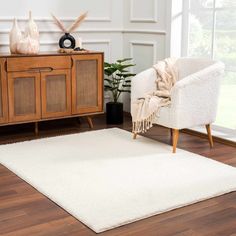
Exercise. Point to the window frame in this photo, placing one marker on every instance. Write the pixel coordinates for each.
(185, 42)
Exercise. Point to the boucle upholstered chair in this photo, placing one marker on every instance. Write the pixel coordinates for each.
(194, 97)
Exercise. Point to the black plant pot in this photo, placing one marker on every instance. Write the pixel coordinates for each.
(67, 37)
(114, 113)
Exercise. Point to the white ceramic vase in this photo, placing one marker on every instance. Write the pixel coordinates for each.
(14, 37)
(31, 28)
(29, 43)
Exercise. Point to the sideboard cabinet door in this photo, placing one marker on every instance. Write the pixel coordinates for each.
(3, 93)
(87, 84)
(24, 96)
(56, 93)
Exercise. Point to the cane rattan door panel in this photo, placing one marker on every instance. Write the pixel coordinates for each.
(56, 93)
(24, 96)
(87, 84)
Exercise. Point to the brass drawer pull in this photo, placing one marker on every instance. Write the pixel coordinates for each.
(33, 70)
(41, 69)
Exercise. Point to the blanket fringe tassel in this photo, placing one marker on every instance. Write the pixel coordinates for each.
(144, 125)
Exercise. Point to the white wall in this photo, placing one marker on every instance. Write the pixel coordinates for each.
(120, 28)
(144, 34)
(101, 31)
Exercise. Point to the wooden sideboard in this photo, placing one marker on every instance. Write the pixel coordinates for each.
(50, 86)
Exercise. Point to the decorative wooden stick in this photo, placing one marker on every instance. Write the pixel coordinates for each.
(73, 27)
(77, 23)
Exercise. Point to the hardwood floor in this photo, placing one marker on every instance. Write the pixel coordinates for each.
(26, 212)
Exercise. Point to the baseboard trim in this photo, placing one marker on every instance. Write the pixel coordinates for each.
(216, 139)
(199, 134)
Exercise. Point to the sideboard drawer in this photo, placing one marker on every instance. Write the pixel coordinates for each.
(36, 63)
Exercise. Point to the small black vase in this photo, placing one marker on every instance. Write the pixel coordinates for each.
(67, 37)
(114, 113)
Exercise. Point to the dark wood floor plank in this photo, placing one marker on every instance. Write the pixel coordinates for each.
(24, 211)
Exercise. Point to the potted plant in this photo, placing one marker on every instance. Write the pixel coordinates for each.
(117, 81)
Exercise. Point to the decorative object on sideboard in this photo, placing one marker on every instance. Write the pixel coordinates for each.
(27, 43)
(28, 46)
(31, 28)
(15, 36)
(78, 43)
(117, 81)
(67, 42)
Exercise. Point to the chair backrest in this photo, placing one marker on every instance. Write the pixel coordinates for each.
(188, 66)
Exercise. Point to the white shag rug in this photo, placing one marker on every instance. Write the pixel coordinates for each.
(106, 179)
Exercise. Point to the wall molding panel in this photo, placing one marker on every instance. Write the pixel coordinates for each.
(152, 44)
(107, 42)
(152, 19)
(94, 41)
(102, 30)
(64, 19)
(144, 31)
(104, 18)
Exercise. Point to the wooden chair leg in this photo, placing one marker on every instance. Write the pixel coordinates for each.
(175, 139)
(135, 135)
(90, 122)
(208, 128)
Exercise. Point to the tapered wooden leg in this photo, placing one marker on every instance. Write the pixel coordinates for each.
(135, 135)
(175, 139)
(208, 128)
(36, 128)
(78, 120)
(90, 122)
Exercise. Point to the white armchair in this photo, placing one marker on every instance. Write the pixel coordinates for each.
(194, 97)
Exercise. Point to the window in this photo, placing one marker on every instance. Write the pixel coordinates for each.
(211, 33)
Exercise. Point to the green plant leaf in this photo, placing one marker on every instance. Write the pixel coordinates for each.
(109, 71)
(115, 83)
(108, 80)
(131, 74)
(122, 67)
(125, 75)
(115, 80)
(124, 91)
(115, 66)
(106, 64)
(125, 59)
(108, 87)
(116, 77)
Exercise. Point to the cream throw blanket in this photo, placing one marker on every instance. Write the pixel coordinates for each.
(145, 109)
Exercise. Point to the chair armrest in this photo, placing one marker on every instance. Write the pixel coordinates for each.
(143, 83)
(195, 97)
